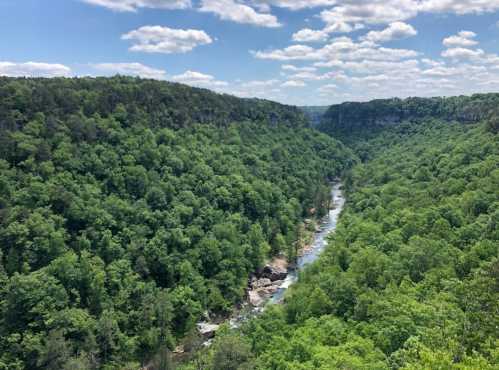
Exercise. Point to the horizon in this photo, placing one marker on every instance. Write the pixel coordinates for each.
(302, 53)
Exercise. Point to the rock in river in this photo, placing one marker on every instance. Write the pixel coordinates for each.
(274, 272)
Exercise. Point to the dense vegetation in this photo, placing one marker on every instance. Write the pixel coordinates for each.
(129, 207)
(410, 280)
(314, 113)
(349, 121)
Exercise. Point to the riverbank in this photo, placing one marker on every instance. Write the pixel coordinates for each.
(269, 286)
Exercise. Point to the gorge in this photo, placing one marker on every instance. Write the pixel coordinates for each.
(132, 209)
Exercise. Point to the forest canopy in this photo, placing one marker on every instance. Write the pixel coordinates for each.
(410, 279)
(129, 208)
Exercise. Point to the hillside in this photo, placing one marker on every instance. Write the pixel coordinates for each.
(314, 114)
(349, 120)
(129, 208)
(410, 279)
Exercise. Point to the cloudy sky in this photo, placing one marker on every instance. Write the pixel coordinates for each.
(304, 52)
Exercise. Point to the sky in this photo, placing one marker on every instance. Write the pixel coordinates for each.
(301, 52)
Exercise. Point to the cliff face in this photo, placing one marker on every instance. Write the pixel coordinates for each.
(345, 119)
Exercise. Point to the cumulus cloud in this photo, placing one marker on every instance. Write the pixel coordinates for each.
(462, 39)
(230, 10)
(294, 52)
(198, 79)
(157, 39)
(33, 69)
(463, 53)
(134, 5)
(346, 14)
(459, 6)
(341, 48)
(395, 31)
(308, 35)
(350, 15)
(130, 69)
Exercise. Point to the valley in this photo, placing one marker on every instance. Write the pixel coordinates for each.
(132, 210)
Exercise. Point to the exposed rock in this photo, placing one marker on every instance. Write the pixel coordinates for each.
(254, 298)
(260, 283)
(207, 330)
(274, 272)
(179, 349)
(268, 291)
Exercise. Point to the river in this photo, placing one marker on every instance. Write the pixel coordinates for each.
(327, 225)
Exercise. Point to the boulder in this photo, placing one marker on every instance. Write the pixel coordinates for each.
(207, 330)
(268, 291)
(179, 350)
(274, 273)
(260, 283)
(254, 298)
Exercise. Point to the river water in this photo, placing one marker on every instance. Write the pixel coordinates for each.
(327, 225)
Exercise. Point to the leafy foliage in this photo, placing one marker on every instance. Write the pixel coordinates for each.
(410, 279)
(348, 121)
(129, 207)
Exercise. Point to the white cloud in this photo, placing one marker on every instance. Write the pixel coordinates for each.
(441, 71)
(230, 10)
(33, 69)
(459, 6)
(349, 13)
(308, 35)
(341, 48)
(198, 79)
(462, 53)
(134, 5)
(294, 52)
(395, 31)
(462, 39)
(265, 5)
(294, 83)
(157, 39)
(292, 68)
(130, 69)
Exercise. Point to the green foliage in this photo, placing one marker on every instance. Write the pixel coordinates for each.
(349, 121)
(410, 279)
(129, 207)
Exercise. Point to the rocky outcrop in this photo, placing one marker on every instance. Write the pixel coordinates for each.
(255, 299)
(207, 330)
(274, 272)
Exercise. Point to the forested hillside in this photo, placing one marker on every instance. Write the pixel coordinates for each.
(348, 121)
(314, 114)
(130, 207)
(410, 279)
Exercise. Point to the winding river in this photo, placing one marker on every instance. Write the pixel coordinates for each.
(327, 225)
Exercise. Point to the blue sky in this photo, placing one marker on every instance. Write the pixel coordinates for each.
(305, 52)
